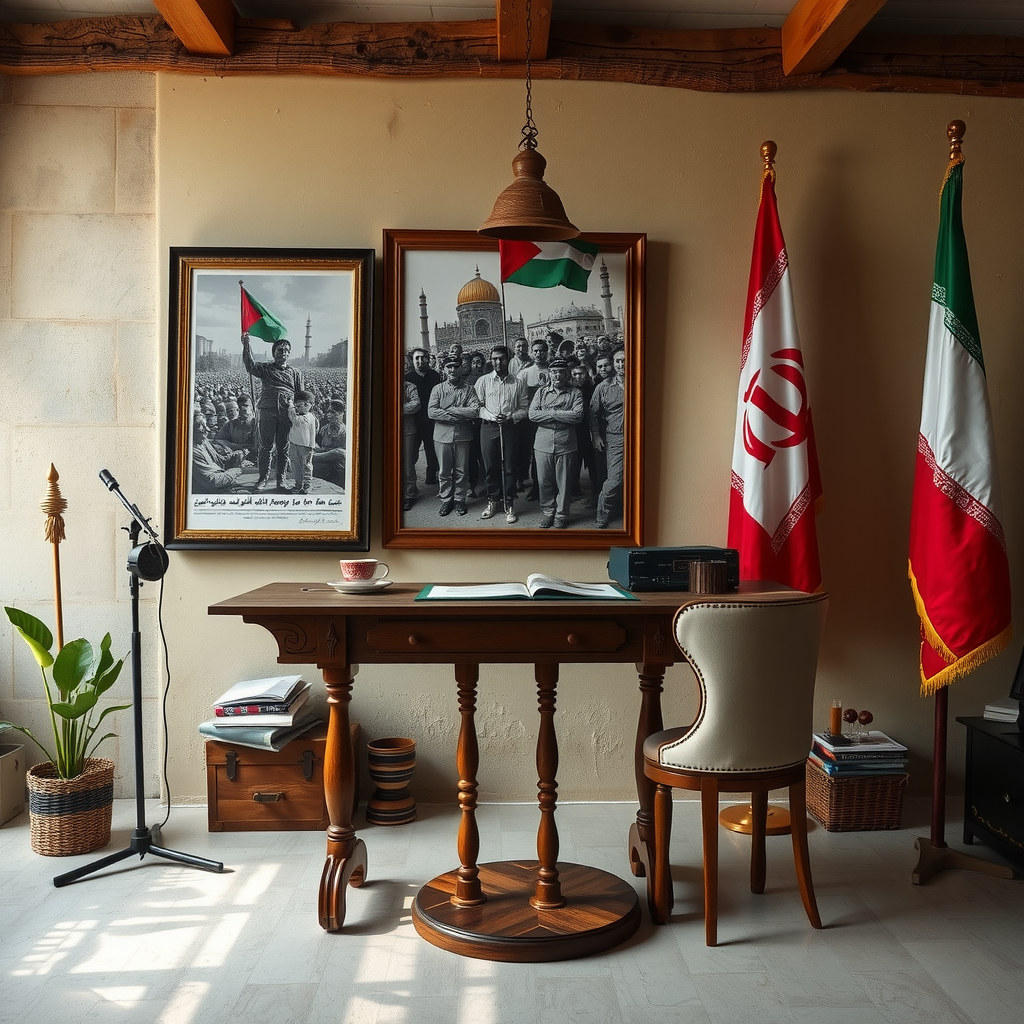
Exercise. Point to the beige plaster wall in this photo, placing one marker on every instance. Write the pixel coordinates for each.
(311, 162)
(78, 333)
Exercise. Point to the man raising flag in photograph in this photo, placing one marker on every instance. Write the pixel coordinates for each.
(776, 489)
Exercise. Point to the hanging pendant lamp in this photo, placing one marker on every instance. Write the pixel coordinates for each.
(529, 209)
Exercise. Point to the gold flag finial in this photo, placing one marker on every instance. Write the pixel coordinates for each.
(768, 151)
(955, 131)
(53, 505)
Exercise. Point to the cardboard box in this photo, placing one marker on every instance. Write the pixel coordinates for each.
(12, 780)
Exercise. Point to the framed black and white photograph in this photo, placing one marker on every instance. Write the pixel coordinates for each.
(268, 398)
(512, 391)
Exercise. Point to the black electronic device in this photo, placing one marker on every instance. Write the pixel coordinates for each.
(668, 568)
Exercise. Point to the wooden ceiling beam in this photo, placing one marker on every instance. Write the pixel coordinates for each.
(511, 21)
(817, 31)
(203, 26)
(736, 60)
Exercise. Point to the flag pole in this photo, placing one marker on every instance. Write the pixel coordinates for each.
(252, 389)
(740, 817)
(53, 504)
(935, 856)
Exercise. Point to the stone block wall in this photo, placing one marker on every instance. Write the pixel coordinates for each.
(78, 346)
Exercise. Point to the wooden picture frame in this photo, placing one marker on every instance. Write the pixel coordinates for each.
(322, 300)
(443, 287)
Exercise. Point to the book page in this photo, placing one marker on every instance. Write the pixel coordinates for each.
(539, 583)
(476, 592)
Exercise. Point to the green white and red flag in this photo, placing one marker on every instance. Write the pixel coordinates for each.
(259, 322)
(776, 488)
(547, 264)
(959, 572)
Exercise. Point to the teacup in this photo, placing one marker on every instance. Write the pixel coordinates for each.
(362, 570)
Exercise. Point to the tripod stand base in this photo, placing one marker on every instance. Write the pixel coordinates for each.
(141, 844)
(933, 859)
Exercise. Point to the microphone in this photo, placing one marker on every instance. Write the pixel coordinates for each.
(108, 479)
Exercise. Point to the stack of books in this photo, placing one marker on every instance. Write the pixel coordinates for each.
(872, 753)
(263, 713)
(1005, 709)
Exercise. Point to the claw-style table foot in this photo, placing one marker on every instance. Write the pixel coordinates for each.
(340, 873)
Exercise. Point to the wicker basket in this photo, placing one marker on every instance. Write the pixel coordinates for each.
(855, 803)
(70, 816)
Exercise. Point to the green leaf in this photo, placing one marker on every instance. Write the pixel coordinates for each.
(80, 704)
(109, 736)
(107, 711)
(103, 682)
(106, 659)
(34, 633)
(72, 665)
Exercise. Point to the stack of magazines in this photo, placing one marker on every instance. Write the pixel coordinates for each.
(871, 753)
(263, 713)
(1005, 709)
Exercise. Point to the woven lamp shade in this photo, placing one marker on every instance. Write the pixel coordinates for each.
(529, 209)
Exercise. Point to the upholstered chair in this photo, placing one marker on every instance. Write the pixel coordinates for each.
(755, 662)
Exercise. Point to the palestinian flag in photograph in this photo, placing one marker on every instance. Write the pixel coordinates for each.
(547, 264)
(259, 322)
(959, 573)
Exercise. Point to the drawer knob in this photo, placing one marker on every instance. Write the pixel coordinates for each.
(413, 640)
(572, 640)
(268, 798)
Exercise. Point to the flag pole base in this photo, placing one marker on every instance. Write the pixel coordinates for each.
(933, 859)
(737, 819)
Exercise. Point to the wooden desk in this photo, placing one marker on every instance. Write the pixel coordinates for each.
(524, 911)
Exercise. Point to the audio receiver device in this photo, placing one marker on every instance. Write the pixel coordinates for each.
(668, 568)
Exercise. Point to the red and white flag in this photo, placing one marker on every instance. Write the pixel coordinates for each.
(776, 488)
(959, 571)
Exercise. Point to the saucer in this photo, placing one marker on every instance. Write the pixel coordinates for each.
(359, 586)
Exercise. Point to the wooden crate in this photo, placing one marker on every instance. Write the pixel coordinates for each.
(250, 790)
(855, 803)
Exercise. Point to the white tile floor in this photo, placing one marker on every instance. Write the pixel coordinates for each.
(157, 943)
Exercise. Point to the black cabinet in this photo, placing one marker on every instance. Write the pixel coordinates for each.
(994, 791)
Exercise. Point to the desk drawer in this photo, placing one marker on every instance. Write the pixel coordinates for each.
(483, 637)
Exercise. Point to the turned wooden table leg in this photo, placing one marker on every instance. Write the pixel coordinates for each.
(641, 833)
(467, 888)
(346, 853)
(548, 894)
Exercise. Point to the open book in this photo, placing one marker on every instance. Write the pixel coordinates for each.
(537, 585)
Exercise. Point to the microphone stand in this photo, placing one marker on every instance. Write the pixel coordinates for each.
(148, 561)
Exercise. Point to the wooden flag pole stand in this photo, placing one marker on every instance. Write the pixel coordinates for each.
(935, 856)
(54, 505)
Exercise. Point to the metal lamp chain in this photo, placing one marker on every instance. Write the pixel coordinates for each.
(529, 140)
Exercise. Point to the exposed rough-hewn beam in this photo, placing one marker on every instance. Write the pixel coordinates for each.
(817, 31)
(203, 26)
(740, 60)
(511, 18)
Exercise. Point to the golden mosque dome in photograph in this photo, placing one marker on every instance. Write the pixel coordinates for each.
(478, 290)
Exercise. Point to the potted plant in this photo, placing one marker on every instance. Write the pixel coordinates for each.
(70, 796)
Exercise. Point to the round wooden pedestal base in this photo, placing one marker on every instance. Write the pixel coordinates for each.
(601, 911)
(737, 819)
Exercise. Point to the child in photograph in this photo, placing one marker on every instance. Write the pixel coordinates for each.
(302, 440)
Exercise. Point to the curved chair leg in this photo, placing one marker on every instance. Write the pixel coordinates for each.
(709, 830)
(758, 829)
(801, 854)
(659, 880)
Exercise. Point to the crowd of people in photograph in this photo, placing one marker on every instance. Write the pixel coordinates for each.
(504, 424)
(297, 426)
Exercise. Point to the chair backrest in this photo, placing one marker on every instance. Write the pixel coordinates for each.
(755, 663)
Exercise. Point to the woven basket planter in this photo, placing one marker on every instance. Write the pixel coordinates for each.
(70, 816)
